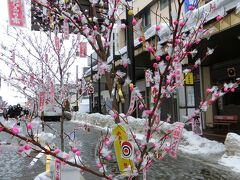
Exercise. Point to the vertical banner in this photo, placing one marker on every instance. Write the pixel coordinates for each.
(57, 43)
(52, 92)
(197, 125)
(178, 73)
(176, 137)
(132, 104)
(57, 170)
(123, 149)
(83, 49)
(65, 29)
(148, 77)
(41, 101)
(16, 13)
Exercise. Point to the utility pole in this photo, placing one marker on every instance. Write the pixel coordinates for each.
(130, 45)
(130, 48)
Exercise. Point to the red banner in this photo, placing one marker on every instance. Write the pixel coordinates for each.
(83, 49)
(176, 137)
(57, 170)
(57, 43)
(16, 13)
(65, 29)
(41, 101)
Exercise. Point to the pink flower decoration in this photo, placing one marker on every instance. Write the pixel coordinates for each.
(167, 149)
(158, 58)
(175, 22)
(158, 28)
(99, 165)
(115, 115)
(15, 130)
(148, 111)
(123, 26)
(232, 89)
(65, 156)
(182, 24)
(190, 8)
(160, 158)
(78, 153)
(139, 158)
(110, 176)
(20, 150)
(109, 157)
(219, 18)
(155, 65)
(209, 90)
(29, 126)
(134, 22)
(56, 151)
(74, 149)
(27, 147)
(168, 58)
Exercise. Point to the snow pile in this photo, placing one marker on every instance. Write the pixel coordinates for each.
(231, 158)
(191, 143)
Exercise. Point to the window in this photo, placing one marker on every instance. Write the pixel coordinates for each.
(146, 20)
(207, 1)
(163, 4)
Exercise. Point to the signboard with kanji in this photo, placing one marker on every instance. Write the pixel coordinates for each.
(16, 13)
(189, 78)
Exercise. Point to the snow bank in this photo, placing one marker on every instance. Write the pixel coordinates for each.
(231, 158)
(191, 143)
(231, 161)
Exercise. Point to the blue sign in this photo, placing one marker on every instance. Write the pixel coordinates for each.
(188, 3)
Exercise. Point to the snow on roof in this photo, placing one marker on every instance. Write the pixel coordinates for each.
(221, 6)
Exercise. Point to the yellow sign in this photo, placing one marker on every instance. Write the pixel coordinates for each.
(189, 78)
(121, 135)
(48, 162)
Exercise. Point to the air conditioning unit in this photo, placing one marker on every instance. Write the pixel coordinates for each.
(231, 72)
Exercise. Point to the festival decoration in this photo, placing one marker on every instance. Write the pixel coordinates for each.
(127, 150)
(41, 101)
(83, 49)
(120, 145)
(16, 13)
(57, 172)
(176, 137)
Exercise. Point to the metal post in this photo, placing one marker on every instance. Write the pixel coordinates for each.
(91, 96)
(99, 95)
(77, 88)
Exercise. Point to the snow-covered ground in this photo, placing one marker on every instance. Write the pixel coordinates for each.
(191, 143)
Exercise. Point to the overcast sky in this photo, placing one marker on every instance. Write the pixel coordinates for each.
(8, 93)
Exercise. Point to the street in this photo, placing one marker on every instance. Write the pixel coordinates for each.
(14, 166)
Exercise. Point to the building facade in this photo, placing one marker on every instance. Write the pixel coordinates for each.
(222, 66)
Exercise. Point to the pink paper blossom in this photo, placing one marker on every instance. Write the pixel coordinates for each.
(15, 130)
